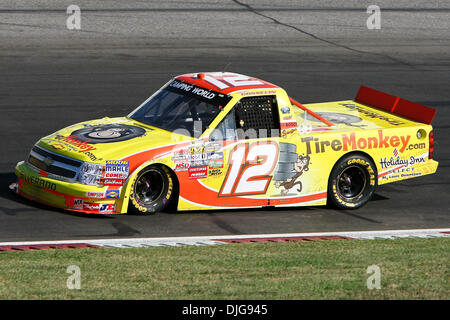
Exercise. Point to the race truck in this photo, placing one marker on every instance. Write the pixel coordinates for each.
(219, 140)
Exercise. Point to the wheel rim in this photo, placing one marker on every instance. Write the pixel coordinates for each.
(149, 187)
(351, 182)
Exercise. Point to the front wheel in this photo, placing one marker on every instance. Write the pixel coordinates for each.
(352, 182)
(151, 190)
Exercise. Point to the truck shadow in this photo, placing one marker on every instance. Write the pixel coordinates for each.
(25, 205)
(375, 197)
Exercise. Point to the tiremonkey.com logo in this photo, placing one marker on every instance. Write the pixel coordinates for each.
(351, 142)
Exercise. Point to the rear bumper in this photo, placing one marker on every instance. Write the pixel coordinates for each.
(65, 195)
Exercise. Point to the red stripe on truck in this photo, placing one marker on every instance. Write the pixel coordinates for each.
(315, 115)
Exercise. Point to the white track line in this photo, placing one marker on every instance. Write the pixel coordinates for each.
(213, 240)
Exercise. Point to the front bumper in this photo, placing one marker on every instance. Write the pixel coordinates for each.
(34, 185)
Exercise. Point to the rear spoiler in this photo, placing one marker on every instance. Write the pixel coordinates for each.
(395, 105)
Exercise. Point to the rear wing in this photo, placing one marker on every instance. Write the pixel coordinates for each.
(395, 105)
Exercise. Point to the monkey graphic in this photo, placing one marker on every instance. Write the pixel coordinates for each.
(300, 166)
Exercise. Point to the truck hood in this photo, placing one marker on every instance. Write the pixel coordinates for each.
(107, 139)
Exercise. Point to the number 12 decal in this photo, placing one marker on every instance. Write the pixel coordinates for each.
(250, 169)
(223, 80)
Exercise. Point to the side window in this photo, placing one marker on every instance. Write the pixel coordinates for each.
(226, 130)
(257, 117)
(253, 117)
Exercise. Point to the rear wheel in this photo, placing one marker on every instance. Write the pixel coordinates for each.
(151, 190)
(352, 182)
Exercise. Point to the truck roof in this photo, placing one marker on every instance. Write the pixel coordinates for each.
(225, 82)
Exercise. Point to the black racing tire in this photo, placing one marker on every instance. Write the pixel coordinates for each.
(352, 182)
(152, 190)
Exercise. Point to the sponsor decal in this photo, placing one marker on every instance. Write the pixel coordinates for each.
(113, 182)
(416, 146)
(408, 175)
(91, 156)
(209, 96)
(116, 169)
(404, 167)
(215, 160)
(403, 172)
(352, 142)
(197, 147)
(285, 118)
(83, 146)
(395, 152)
(107, 208)
(371, 114)
(198, 172)
(213, 146)
(260, 92)
(115, 175)
(91, 206)
(288, 125)
(193, 89)
(198, 154)
(78, 204)
(59, 145)
(285, 110)
(98, 195)
(180, 155)
(214, 172)
(72, 144)
(286, 132)
(386, 163)
(112, 194)
(182, 166)
(197, 157)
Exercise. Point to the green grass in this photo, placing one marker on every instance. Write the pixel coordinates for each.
(410, 269)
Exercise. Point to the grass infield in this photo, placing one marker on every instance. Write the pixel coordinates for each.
(410, 269)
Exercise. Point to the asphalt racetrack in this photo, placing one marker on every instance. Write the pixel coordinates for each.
(51, 77)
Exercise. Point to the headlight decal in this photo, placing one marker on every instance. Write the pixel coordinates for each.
(91, 174)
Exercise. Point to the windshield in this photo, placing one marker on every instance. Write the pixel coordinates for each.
(181, 107)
